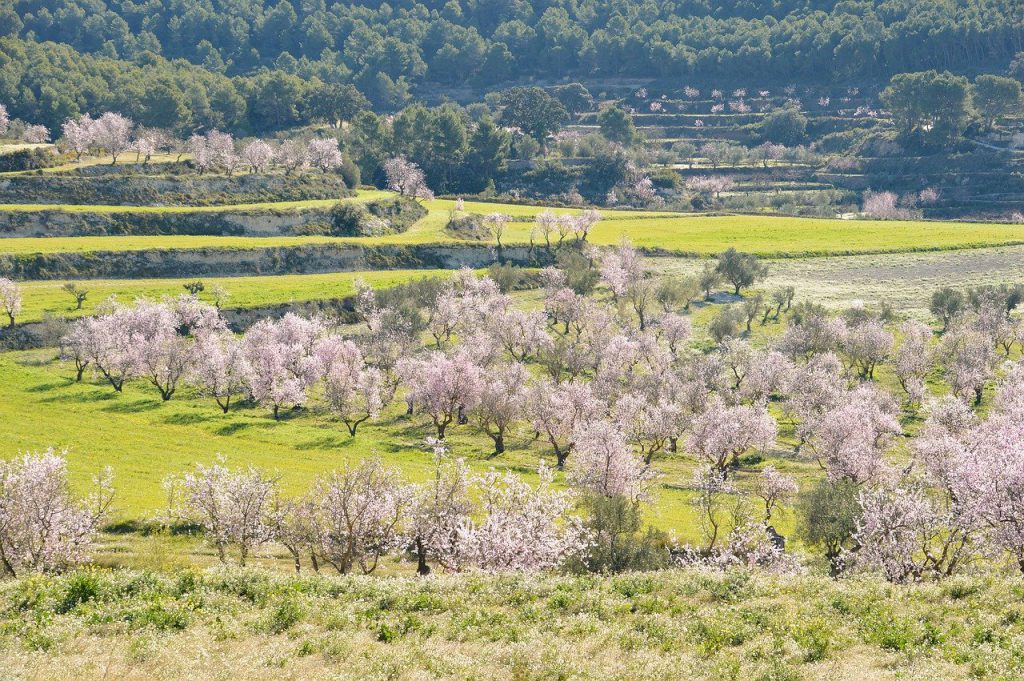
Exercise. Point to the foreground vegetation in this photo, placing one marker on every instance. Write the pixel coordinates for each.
(679, 624)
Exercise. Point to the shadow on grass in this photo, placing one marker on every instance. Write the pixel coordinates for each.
(239, 426)
(135, 407)
(47, 387)
(81, 397)
(340, 441)
(37, 361)
(186, 419)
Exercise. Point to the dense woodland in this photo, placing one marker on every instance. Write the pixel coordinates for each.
(254, 56)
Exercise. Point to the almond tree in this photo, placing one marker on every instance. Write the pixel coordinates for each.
(324, 154)
(42, 527)
(406, 178)
(978, 467)
(36, 134)
(914, 359)
(898, 532)
(521, 528)
(712, 488)
(774, 488)
(10, 300)
(850, 439)
(79, 134)
(215, 149)
(968, 359)
(441, 508)
(502, 401)
(282, 361)
(522, 334)
(722, 433)
(648, 422)
(76, 345)
(220, 369)
(675, 330)
(545, 224)
(5, 120)
(584, 222)
(160, 354)
(605, 465)
(112, 132)
(496, 223)
(358, 515)
(556, 409)
(234, 508)
(445, 387)
(768, 373)
(144, 148)
(258, 155)
(105, 342)
(817, 387)
(292, 155)
(867, 344)
(354, 392)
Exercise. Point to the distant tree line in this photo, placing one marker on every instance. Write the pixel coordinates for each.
(388, 50)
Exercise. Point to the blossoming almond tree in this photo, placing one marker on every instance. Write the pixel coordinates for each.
(722, 433)
(113, 133)
(10, 300)
(42, 527)
(359, 514)
(234, 508)
(523, 528)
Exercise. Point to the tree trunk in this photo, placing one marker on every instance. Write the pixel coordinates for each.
(499, 443)
(422, 568)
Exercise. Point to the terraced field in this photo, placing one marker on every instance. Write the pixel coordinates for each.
(680, 234)
(42, 297)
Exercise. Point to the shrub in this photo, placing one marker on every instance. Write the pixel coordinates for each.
(28, 159)
(376, 218)
(470, 227)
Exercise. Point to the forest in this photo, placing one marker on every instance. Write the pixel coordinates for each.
(210, 56)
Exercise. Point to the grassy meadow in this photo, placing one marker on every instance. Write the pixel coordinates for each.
(40, 298)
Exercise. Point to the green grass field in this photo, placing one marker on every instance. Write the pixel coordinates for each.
(145, 439)
(128, 157)
(689, 234)
(42, 297)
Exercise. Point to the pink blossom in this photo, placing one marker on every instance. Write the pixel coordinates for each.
(42, 528)
(722, 433)
(604, 464)
(522, 528)
(324, 154)
(234, 508)
(358, 515)
(10, 299)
